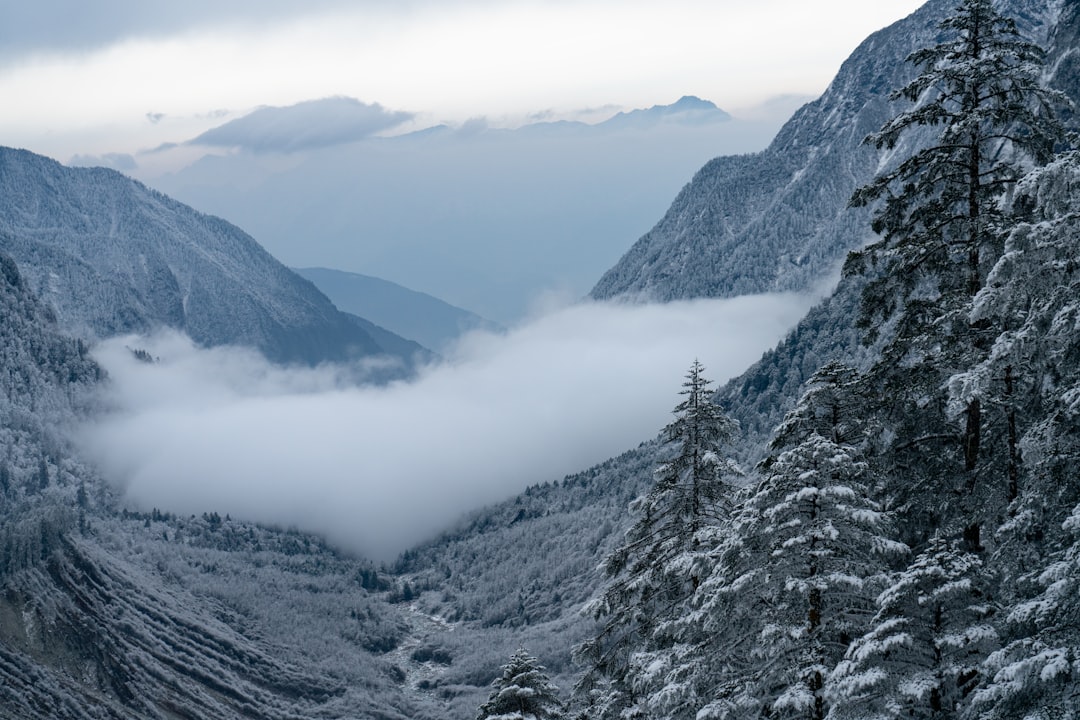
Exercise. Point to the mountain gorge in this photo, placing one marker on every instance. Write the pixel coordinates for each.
(453, 212)
(110, 613)
(106, 613)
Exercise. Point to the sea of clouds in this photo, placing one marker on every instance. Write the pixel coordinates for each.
(377, 469)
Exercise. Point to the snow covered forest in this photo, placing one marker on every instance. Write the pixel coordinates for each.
(879, 520)
(908, 546)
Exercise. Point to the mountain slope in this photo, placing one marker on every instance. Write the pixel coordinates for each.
(410, 314)
(482, 560)
(112, 256)
(778, 220)
(112, 614)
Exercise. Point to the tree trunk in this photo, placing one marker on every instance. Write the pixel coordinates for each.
(1014, 444)
(972, 434)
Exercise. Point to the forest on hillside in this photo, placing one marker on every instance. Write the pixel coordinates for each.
(910, 545)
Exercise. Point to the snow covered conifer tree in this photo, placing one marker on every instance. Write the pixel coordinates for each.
(829, 408)
(692, 489)
(1037, 675)
(922, 657)
(1033, 295)
(982, 87)
(820, 547)
(665, 553)
(793, 579)
(522, 692)
(942, 225)
(1031, 375)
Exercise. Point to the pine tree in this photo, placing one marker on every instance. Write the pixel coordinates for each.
(522, 692)
(829, 408)
(1033, 294)
(922, 657)
(942, 224)
(793, 577)
(1031, 376)
(1037, 675)
(982, 87)
(665, 553)
(821, 547)
(691, 489)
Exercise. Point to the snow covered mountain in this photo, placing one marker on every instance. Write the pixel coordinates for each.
(687, 110)
(483, 557)
(410, 314)
(112, 256)
(105, 613)
(778, 220)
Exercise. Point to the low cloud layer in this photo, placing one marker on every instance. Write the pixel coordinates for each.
(380, 469)
(304, 126)
(115, 161)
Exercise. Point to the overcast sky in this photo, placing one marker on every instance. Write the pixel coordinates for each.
(122, 75)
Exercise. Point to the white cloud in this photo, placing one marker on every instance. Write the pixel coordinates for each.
(379, 469)
(455, 60)
(306, 125)
(116, 161)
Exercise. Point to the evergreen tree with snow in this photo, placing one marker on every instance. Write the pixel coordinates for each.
(820, 547)
(692, 488)
(1031, 377)
(942, 225)
(830, 407)
(665, 553)
(957, 402)
(922, 657)
(1036, 676)
(522, 692)
(793, 576)
(1033, 295)
(940, 207)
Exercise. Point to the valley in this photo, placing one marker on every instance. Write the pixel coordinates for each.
(910, 443)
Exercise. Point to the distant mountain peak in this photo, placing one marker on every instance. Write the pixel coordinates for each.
(691, 102)
(688, 109)
(417, 316)
(307, 125)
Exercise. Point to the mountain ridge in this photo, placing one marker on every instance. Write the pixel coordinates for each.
(778, 220)
(491, 237)
(415, 315)
(113, 256)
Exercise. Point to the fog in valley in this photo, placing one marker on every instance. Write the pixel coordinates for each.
(378, 469)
